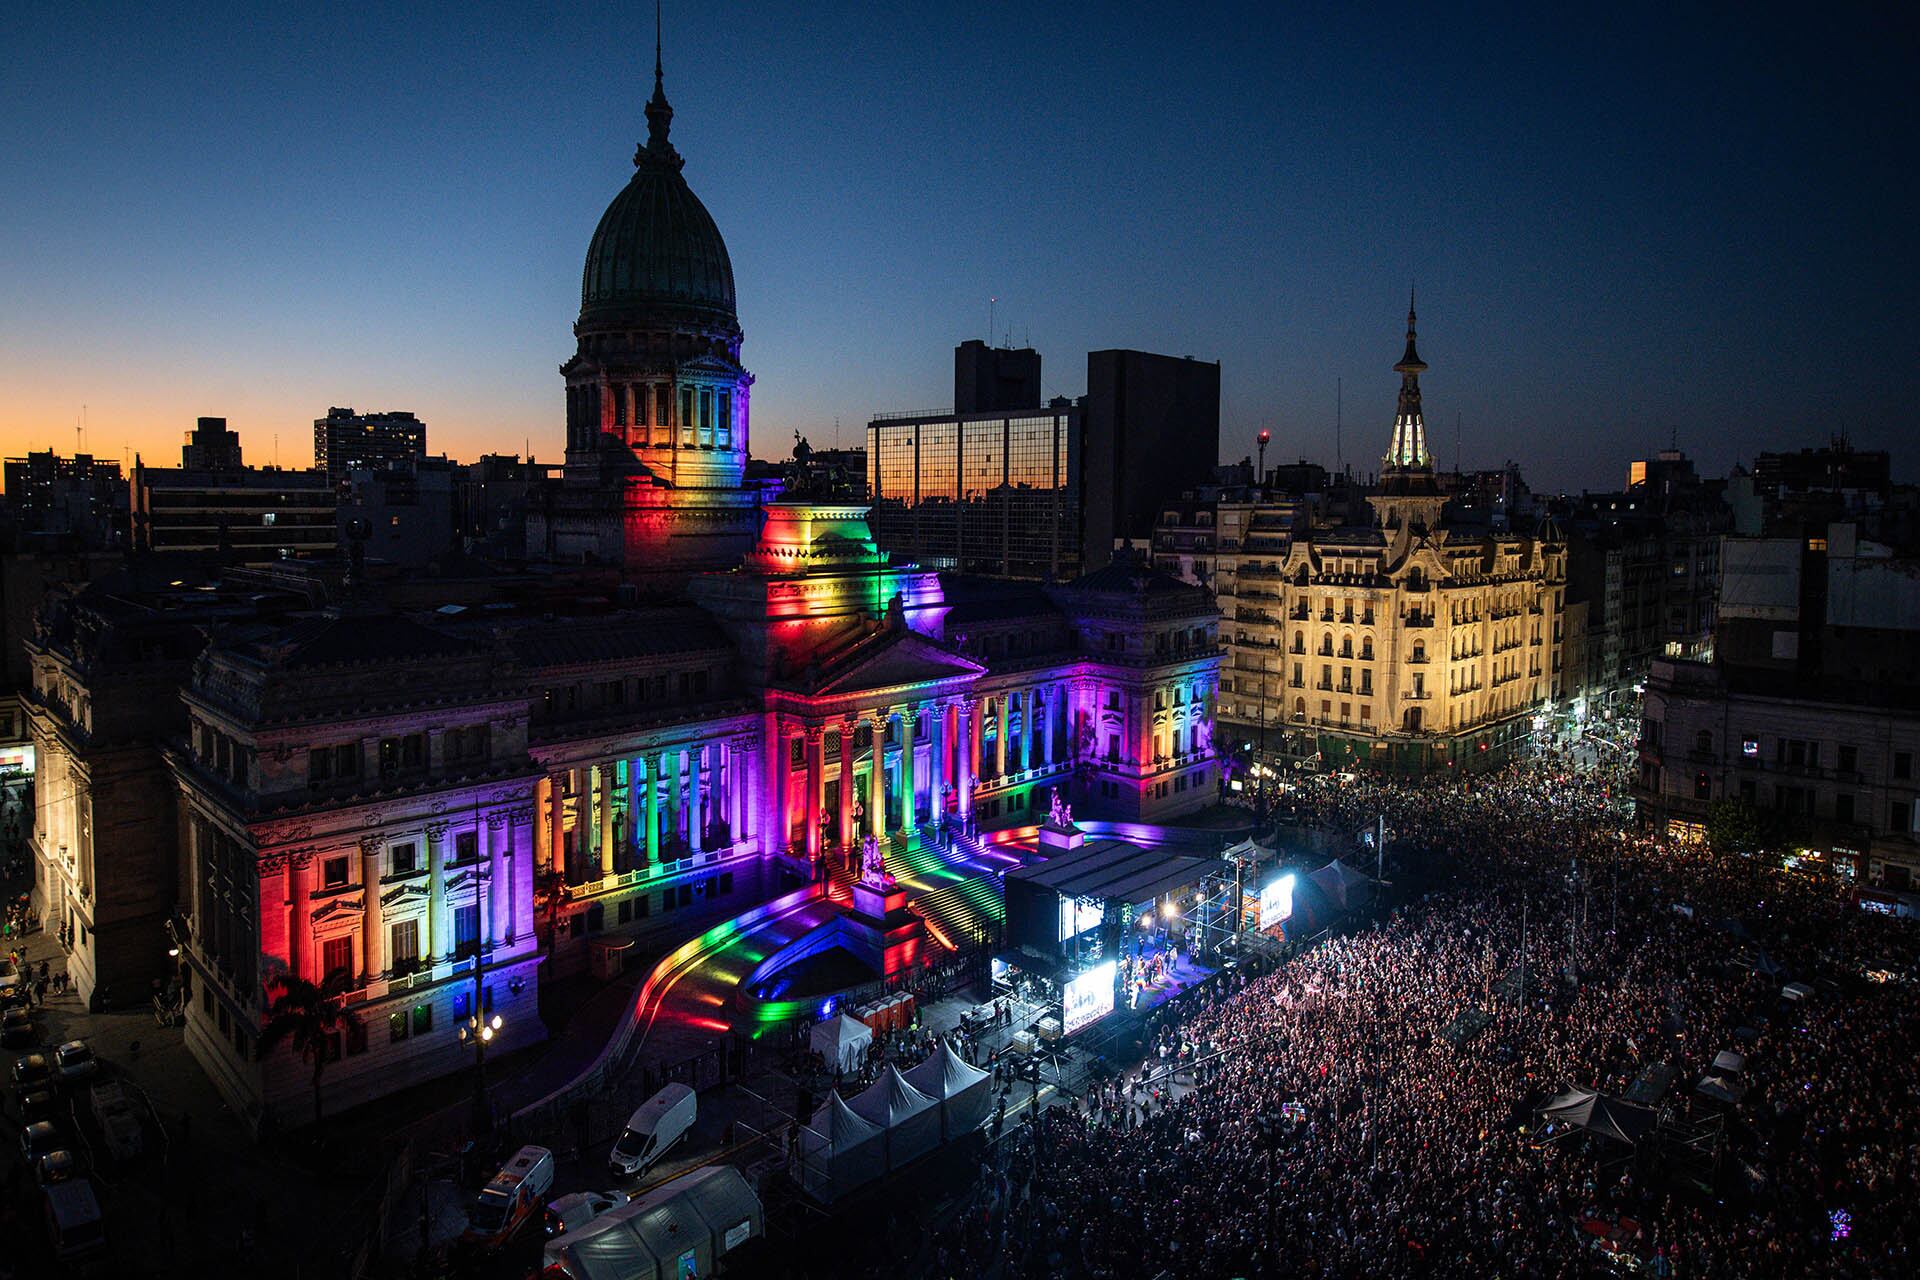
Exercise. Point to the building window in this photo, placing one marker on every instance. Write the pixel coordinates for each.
(1900, 816)
(1903, 764)
(422, 1019)
(406, 947)
(1849, 759)
(397, 1026)
(403, 859)
(466, 846)
(336, 956)
(466, 931)
(319, 766)
(1843, 808)
(1702, 786)
(333, 873)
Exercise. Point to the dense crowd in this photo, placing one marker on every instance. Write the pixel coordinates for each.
(1342, 1124)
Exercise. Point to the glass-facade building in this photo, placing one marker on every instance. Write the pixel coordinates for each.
(994, 493)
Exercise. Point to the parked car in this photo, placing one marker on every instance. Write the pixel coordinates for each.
(13, 990)
(16, 1028)
(74, 1224)
(55, 1166)
(38, 1139)
(32, 1072)
(74, 1061)
(571, 1212)
(660, 1121)
(510, 1200)
(38, 1104)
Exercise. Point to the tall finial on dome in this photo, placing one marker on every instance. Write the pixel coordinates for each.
(657, 149)
(1410, 362)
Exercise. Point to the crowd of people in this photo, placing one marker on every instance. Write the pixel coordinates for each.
(1334, 1119)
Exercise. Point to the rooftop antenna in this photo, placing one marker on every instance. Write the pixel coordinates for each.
(990, 302)
(1456, 442)
(1339, 395)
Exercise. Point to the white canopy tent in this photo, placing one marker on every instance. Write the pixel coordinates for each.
(842, 1041)
(839, 1151)
(910, 1119)
(964, 1093)
(693, 1220)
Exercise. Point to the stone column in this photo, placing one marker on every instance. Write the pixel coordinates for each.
(497, 919)
(1046, 725)
(968, 744)
(439, 918)
(300, 923)
(374, 943)
(696, 819)
(909, 800)
(556, 825)
(877, 777)
(607, 783)
(676, 799)
(750, 780)
(635, 836)
(847, 728)
(652, 763)
(816, 782)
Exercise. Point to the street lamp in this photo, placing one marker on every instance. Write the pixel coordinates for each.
(480, 1028)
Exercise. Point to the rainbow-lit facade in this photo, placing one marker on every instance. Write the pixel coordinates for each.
(447, 806)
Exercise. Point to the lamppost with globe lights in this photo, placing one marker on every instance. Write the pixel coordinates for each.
(480, 1027)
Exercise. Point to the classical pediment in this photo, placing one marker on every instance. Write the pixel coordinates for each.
(402, 892)
(891, 659)
(342, 906)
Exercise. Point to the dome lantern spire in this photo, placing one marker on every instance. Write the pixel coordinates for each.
(1408, 449)
(657, 150)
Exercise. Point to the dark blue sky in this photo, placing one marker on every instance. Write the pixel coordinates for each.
(1622, 225)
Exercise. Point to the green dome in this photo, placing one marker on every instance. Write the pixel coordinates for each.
(656, 245)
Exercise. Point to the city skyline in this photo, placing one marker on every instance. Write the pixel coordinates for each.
(1656, 243)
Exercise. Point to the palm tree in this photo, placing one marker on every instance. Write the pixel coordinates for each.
(306, 1015)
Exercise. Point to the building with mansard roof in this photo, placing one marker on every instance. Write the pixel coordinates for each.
(1414, 643)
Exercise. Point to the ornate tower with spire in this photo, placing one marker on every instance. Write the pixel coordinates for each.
(1409, 494)
(657, 399)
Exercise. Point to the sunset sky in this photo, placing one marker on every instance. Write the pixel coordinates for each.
(1622, 227)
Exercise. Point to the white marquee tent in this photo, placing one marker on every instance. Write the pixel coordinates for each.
(909, 1118)
(842, 1041)
(964, 1093)
(839, 1151)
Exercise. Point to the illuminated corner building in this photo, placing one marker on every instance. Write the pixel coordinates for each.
(356, 803)
(212, 503)
(345, 441)
(107, 662)
(1414, 644)
(657, 399)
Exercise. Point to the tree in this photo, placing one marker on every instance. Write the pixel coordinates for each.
(1734, 826)
(306, 1016)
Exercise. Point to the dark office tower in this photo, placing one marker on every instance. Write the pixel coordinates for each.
(1151, 430)
(345, 440)
(211, 447)
(993, 379)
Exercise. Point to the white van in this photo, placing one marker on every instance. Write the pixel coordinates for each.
(74, 1224)
(661, 1121)
(511, 1198)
